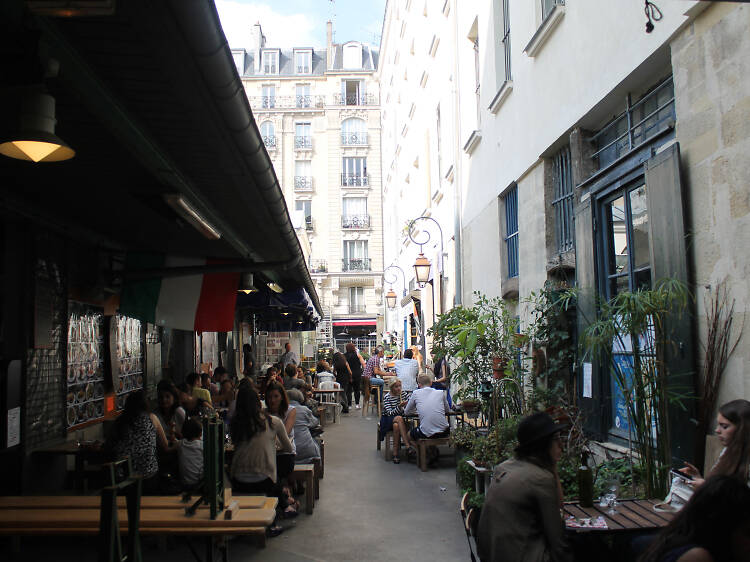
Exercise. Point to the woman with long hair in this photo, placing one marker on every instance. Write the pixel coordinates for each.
(520, 518)
(343, 377)
(168, 411)
(714, 526)
(733, 430)
(356, 364)
(392, 418)
(254, 434)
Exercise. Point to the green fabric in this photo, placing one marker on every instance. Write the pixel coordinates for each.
(139, 298)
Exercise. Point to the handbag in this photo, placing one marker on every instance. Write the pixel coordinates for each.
(679, 494)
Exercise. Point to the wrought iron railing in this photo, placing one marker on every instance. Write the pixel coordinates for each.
(318, 266)
(355, 180)
(354, 139)
(303, 183)
(355, 99)
(304, 101)
(303, 69)
(287, 102)
(309, 223)
(355, 264)
(355, 221)
(302, 141)
(267, 102)
(563, 201)
(269, 141)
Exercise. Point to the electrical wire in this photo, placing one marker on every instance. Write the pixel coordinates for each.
(653, 13)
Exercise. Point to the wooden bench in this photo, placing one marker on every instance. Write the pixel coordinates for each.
(422, 445)
(93, 502)
(306, 473)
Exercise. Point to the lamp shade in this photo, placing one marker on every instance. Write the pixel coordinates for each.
(422, 269)
(390, 299)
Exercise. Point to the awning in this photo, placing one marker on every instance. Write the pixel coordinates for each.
(291, 311)
(367, 322)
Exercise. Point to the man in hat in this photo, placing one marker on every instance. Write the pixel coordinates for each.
(521, 514)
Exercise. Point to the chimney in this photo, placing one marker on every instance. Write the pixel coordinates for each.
(257, 42)
(329, 45)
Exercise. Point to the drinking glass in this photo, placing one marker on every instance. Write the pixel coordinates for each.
(611, 490)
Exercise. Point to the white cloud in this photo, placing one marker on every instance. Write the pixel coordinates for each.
(281, 30)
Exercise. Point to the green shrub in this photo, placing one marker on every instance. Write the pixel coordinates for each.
(465, 476)
(475, 499)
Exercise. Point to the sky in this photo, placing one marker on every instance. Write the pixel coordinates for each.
(302, 23)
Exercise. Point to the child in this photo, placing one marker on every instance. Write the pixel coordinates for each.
(190, 454)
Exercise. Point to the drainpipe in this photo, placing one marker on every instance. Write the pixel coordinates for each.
(458, 297)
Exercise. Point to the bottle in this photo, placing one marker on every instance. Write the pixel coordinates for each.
(585, 482)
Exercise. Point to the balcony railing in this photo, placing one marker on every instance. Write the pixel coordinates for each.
(355, 99)
(305, 100)
(267, 102)
(355, 264)
(354, 139)
(269, 141)
(287, 102)
(303, 183)
(356, 308)
(318, 266)
(303, 69)
(355, 180)
(309, 223)
(355, 221)
(302, 142)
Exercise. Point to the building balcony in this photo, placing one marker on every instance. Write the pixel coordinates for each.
(355, 99)
(355, 180)
(270, 141)
(303, 183)
(354, 139)
(355, 221)
(287, 102)
(357, 308)
(318, 266)
(302, 142)
(356, 264)
(309, 224)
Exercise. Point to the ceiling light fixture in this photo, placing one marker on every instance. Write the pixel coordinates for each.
(275, 287)
(36, 141)
(187, 212)
(246, 284)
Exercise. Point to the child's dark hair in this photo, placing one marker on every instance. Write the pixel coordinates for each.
(191, 429)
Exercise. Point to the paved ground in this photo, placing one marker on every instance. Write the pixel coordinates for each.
(369, 510)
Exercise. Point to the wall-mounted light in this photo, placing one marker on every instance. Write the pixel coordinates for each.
(246, 284)
(390, 299)
(36, 141)
(422, 269)
(275, 287)
(187, 212)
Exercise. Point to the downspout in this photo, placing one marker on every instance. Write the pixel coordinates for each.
(458, 297)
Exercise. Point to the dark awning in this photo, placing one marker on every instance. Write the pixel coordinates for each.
(150, 100)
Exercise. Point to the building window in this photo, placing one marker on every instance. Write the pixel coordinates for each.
(268, 135)
(548, 6)
(302, 175)
(355, 256)
(563, 201)
(268, 96)
(303, 62)
(305, 205)
(354, 213)
(651, 115)
(511, 231)
(270, 62)
(302, 136)
(351, 93)
(354, 172)
(356, 300)
(505, 42)
(474, 38)
(353, 132)
(303, 95)
(353, 56)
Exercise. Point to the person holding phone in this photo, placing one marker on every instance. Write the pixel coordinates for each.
(733, 431)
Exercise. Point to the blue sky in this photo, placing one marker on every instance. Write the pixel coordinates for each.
(302, 23)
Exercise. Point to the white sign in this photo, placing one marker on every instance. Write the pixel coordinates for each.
(587, 393)
(14, 426)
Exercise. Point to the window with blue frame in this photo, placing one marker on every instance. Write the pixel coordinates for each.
(511, 231)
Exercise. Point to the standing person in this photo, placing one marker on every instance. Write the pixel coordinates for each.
(407, 370)
(392, 418)
(733, 430)
(356, 364)
(249, 366)
(288, 356)
(343, 377)
(254, 434)
(520, 518)
(442, 371)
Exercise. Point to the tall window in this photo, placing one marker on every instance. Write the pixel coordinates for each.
(354, 213)
(303, 62)
(302, 135)
(356, 299)
(303, 95)
(355, 256)
(351, 92)
(302, 175)
(270, 62)
(563, 201)
(353, 132)
(354, 171)
(268, 135)
(505, 41)
(548, 6)
(511, 231)
(268, 96)
(305, 205)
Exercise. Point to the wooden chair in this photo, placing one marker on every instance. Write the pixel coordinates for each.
(422, 445)
(369, 394)
(306, 474)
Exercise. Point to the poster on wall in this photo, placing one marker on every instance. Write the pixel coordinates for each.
(85, 368)
(621, 419)
(129, 352)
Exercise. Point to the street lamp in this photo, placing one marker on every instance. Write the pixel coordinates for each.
(422, 264)
(390, 296)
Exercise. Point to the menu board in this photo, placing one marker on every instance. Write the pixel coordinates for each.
(85, 371)
(129, 364)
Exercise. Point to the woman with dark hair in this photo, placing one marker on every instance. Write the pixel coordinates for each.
(170, 414)
(254, 433)
(277, 404)
(733, 430)
(521, 514)
(714, 526)
(136, 434)
(344, 377)
(356, 364)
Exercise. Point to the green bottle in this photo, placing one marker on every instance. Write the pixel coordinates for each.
(585, 482)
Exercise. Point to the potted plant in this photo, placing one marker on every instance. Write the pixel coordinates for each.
(462, 440)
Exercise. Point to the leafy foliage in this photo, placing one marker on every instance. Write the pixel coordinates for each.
(463, 437)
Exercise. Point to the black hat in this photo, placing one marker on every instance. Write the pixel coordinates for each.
(536, 427)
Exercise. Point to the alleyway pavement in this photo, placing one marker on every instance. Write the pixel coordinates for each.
(369, 510)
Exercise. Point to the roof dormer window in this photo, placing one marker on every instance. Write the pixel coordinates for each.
(270, 62)
(353, 55)
(303, 61)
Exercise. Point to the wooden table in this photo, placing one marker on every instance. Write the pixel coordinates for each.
(86, 451)
(632, 515)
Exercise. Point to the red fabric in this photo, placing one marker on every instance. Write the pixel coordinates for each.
(354, 323)
(218, 298)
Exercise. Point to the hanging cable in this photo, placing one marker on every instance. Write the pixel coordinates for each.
(653, 13)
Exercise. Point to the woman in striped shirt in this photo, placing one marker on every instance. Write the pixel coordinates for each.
(392, 419)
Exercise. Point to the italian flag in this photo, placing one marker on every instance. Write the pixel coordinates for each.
(201, 303)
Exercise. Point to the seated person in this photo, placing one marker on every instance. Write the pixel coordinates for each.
(195, 385)
(324, 372)
(306, 446)
(373, 372)
(193, 405)
(392, 418)
(431, 406)
(290, 378)
(407, 370)
(190, 454)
